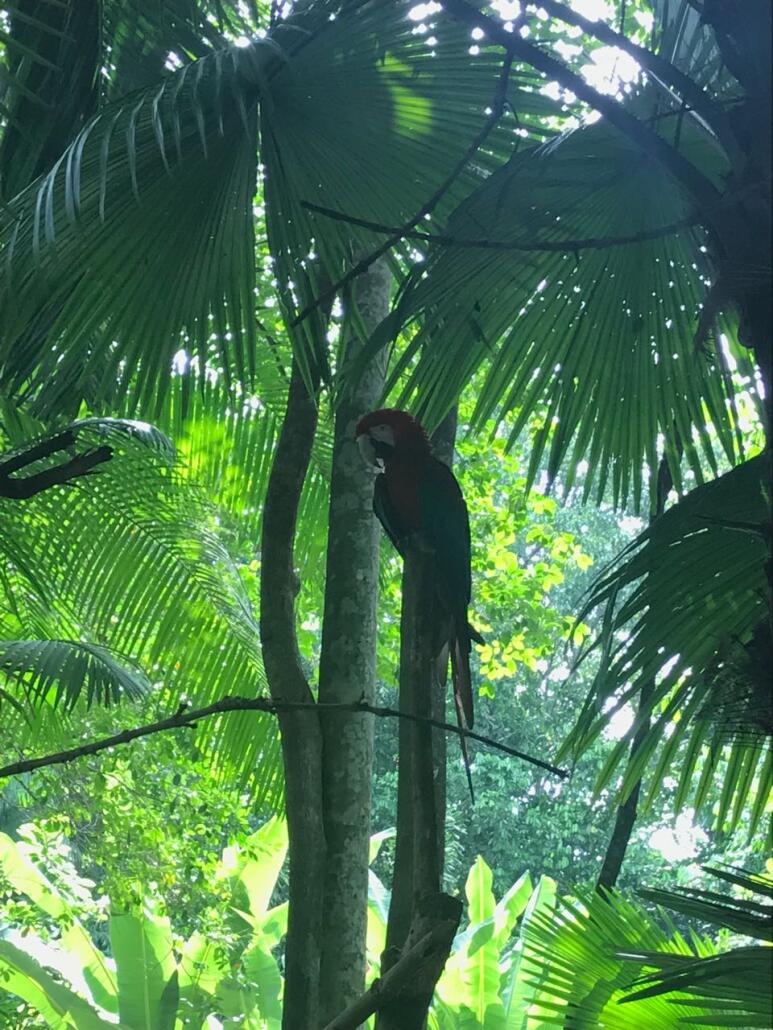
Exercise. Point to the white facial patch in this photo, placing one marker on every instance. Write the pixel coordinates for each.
(384, 434)
(368, 452)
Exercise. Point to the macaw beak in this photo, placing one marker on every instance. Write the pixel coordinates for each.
(368, 452)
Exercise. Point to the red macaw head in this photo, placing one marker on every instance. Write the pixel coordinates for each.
(380, 433)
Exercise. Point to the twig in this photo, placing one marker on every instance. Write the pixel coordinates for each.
(591, 243)
(256, 704)
(695, 182)
(497, 107)
(27, 486)
(662, 70)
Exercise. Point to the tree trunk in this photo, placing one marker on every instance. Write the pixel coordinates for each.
(416, 876)
(347, 673)
(626, 813)
(300, 730)
(443, 440)
(421, 781)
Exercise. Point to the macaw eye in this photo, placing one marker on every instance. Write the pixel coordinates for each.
(383, 434)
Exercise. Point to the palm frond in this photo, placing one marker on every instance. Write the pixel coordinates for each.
(693, 583)
(138, 240)
(129, 562)
(740, 914)
(50, 75)
(685, 40)
(581, 975)
(731, 989)
(146, 41)
(61, 670)
(592, 340)
(398, 98)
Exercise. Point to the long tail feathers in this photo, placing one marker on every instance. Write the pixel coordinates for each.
(463, 741)
(460, 670)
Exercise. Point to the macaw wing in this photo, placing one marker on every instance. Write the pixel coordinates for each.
(385, 512)
(444, 518)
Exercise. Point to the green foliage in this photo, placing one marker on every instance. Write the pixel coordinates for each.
(601, 951)
(706, 555)
(591, 345)
(120, 580)
(153, 980)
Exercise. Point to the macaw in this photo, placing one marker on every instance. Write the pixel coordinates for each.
(414, 492)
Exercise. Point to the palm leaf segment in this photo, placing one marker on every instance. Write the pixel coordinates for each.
(593, 340)
(139, 239)
(600, 960)
(686, 598)
(119, 579)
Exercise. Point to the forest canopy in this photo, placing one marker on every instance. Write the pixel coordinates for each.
(357, 356)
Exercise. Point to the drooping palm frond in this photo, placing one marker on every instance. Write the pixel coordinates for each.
(142, 231)
(61, 671)
(128, 562)
(590, 336)
(690, 587)
(48, 84)
(173, 166)
(731, 989)
(581, 976)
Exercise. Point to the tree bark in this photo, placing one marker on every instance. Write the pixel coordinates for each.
(416, 874)
(421, 780)
(402, 995)
(300, 730)
(626, 813)
(443, 440)
(347, 672)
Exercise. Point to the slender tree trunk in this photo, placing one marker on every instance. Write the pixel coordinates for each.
(443, 440)
(415, 871)
(300, 730)
(347, 673)
(416, 898)
(626, 813)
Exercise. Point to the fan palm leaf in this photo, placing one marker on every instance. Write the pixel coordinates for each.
(589, 336)
(139, 240)
(128, 562)
(604, 961)
(575, 953)
(732, 989)
(687, 589)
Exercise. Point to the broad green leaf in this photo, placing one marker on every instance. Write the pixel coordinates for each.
(32, 982)
(26, 877)
(142, 947)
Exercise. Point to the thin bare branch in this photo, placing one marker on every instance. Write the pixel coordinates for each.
(691, 178)
(20, 489)
(497, 107)
(257, 704)
(666, 73)
(561, 246)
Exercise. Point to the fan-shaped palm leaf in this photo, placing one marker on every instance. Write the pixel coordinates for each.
(140, 236)
(732, 989)
(690, 586)
(593, 339)
(128, 561)
(575, 951)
